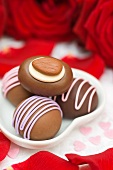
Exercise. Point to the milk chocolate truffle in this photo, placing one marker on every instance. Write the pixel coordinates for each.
(80, 99)
(45, 76)
(12, 89)
(37, 118)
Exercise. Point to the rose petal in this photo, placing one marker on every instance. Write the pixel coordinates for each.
(4, 146)
(101, 161)
(14, 150)
(89, 64)
(44, 160)
(16, 56)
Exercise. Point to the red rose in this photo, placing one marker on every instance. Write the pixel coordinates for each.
(42, 19)
(95, 27)
(2, 17)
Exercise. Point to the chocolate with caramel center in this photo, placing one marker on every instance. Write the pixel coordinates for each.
(48, 66)
(42, 88)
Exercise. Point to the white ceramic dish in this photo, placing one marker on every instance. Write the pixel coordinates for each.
(6, 113)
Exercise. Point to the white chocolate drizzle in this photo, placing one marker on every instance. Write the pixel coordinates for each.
(91, 89)
(45, 78)
(35, 104)
(10, 80)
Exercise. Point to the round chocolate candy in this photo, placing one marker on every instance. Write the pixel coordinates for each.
(37, 118)
(45, 76)
(80, 99)
(12, 89)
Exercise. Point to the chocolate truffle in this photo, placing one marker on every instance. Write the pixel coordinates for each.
(37, 118)
(80, 99)
(45, 76)
(12, 89)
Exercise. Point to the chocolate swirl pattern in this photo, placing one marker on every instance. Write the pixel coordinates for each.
(80, 99)
(29, 111)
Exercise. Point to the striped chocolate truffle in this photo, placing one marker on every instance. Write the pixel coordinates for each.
(12, 89)
(80, 99)
(37, 118)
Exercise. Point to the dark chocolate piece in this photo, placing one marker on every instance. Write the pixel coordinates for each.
(80, 99)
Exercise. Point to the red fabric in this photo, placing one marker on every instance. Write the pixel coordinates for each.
(48, 20)
(2, 17)
(4, 146)
(14, 57)
(93, 64)
(44, 160)
(101, 161)
(94, 27)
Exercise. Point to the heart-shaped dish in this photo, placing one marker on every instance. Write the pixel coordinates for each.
(67, 126)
